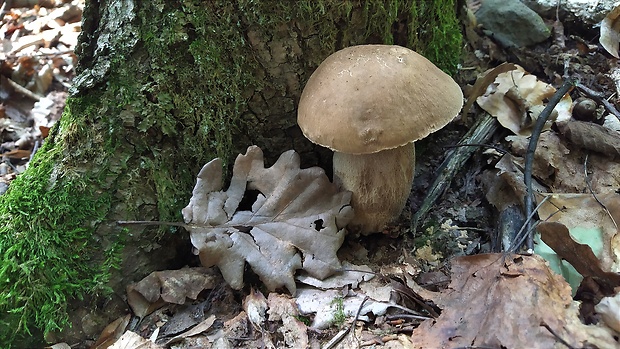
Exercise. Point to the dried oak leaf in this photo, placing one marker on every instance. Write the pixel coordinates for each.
(296, 221)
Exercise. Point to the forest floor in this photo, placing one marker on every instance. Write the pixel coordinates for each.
(410, 302)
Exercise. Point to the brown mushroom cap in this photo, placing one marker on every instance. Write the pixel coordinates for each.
(364, 99)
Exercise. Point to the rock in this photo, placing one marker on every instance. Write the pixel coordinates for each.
(512, 23)
(590, 12)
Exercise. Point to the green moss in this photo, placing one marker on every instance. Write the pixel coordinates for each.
(45, 244)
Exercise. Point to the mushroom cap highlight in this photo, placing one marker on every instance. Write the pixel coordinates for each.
(368, 98)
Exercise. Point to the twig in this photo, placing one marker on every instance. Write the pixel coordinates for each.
(560, 339)
(531, 148)
(599, 97)
(22, 90)
(526, 229)
(340, 335)
(169, 224)
(480, 132)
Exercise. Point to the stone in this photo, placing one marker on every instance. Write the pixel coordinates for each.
(511, 23)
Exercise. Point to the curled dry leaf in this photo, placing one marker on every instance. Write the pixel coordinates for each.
(516, 98)
(296, 221)
(610, 32)
(169, 286)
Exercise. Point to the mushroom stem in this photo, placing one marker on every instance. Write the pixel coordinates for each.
(380, 183)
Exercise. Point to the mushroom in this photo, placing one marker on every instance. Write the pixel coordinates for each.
(368, 104)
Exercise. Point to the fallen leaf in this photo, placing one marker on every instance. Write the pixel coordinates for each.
(588, 222)
(610, 32)
(169, 286)
(580, 256)
(516, 98)
(283, 308)
(502, 300)
(255, 305)
(295, 212)
(560, 166)
(591, 136)
(351, 275)
(482, 83)
(112, 333)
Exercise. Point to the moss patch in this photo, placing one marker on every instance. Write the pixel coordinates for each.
(45, 244)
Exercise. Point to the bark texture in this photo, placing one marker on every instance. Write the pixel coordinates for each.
(164, 87)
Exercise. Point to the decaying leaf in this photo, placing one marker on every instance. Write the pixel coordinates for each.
(501, 300)
(610, 32)
(516, 98)
(297, 212)
(169, 286)
(591, 136)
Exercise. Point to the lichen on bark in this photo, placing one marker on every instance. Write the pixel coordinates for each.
(164, 87)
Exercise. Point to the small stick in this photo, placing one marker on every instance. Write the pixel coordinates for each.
(560, 339)
(168, 224)
(531, 148)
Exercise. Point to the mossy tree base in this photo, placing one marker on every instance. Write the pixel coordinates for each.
(165, 86)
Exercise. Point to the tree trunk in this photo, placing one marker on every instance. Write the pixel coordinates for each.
(164, 87)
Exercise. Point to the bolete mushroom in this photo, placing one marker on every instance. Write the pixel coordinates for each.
(368, 104)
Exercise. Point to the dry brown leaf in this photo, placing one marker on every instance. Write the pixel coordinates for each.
(298, 212)
(516, 98)
(500, 300)
(610, 32)
(169, 286)
(580, 256)
(561, 167)
(112, 333)
(591, 136)
(483, 81)
(255, 305)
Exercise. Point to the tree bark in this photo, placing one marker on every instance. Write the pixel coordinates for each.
(164, 87)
